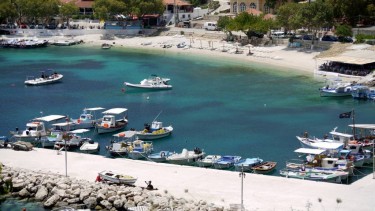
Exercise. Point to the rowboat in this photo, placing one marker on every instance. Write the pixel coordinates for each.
(264, 167)
(117, 178)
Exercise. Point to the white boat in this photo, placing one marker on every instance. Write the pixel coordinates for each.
(106, 46)
(186, 157)
(36, 129)
(208, 161)
(315, 143)
(336, 88)
(52, 137)
(119, 145)
(226, 161)
(117, 178)
(247, 164)
(109, 123)
(89, 147)
(139, 149)
(311, 174)
(160, 156)
(87, 119)
(153, 82)
(154, 131)
(45, 78)
(72, 139)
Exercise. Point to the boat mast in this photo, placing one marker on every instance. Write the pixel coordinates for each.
(157, 116)
(353, 124)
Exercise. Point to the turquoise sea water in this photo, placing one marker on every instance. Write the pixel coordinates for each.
(217, 104)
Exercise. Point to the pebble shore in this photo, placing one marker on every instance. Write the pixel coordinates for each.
(54, 191)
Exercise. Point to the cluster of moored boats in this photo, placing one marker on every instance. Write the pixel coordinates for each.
(332, 158)
(338, 88)
(35, 43)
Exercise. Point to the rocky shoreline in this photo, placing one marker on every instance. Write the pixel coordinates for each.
(55, 191)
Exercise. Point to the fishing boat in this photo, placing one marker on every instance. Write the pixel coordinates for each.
(247, 164)
(109, 123)
(47, 77)
(186, 157)
(160, 156)
(53, 137)
(264, 167)
(226, 161)
(153, 82)
(120, 143)
(87, 119)
(336, 176)
(139, 149)
(36, 129)
(72, 140)
(208, 161)
(89, 147)
(155, 130)
(117, 178)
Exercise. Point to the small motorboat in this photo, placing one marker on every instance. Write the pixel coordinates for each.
(160, 156)
(264, 167)
(119, 145)
(186, 157)
(153, 82)
(89, 147)
(227, 161)
(112, 177)
(87, 119)
(336, 88)
(208, 161)
(247, 164)
(109, 123)
(72, 140)
(47, 77)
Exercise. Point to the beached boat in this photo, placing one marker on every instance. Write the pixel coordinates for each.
(247, 164)
(153, 82)
(72, 139)
(47, 77)
(106, 46)
(119, 145)
(109, 123)
(160, 156)
(186, 157)
(336, 176)
(336, 88)
(89, 147)
(117, 178)
(226, 161)
(208, 161)
(36, 129)
(53, 137)
(154, 131)
(87, 119)
(264, 167)
(139, 149)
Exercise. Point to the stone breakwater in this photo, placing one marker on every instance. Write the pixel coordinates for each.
(55, 191)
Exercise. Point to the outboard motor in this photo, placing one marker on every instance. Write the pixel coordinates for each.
(147, 126)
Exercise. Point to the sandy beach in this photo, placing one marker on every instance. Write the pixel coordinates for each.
(214, 186)
(220, 187)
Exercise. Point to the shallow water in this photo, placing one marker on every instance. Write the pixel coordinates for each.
(217, 104)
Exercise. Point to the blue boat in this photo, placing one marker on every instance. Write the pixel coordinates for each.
(160, 156)
(226, 161)
(247, 164)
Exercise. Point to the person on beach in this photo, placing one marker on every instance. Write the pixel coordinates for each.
(149, 185)
(98, 178)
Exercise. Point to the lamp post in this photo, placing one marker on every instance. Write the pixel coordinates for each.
(66, 138)
(242, 175)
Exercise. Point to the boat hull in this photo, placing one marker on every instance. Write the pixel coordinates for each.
(117, 178)
(151, 136)
(41, 81)
(120, 125)
(148, 86)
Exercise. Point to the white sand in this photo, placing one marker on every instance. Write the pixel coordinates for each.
(214, 186)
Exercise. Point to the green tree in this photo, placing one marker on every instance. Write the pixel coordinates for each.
(7, 10)
(140, 8)
(68, 10)
(105, 9)
(287, 16)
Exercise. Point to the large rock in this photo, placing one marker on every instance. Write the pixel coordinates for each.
(41, 194)
(18, 186)
(90, 202)
(73, 200)
(118, 203)
(24, 193)
(138, 199)
(106, 204)
(51, 201)
(160, 202)
(84, 194)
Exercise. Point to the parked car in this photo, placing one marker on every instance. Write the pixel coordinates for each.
(51, 26)
(330, 38)
(308, 37)
(345, 39)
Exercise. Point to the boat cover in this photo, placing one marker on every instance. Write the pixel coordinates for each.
(115, 111)
(310, 151)
(50, 118)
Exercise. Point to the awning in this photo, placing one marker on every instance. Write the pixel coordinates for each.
(364, 126)
(94, 109)
(357, 57)
(327, 145)
(80, 131)
(115, 111)
(309, 151)
(50, 118)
